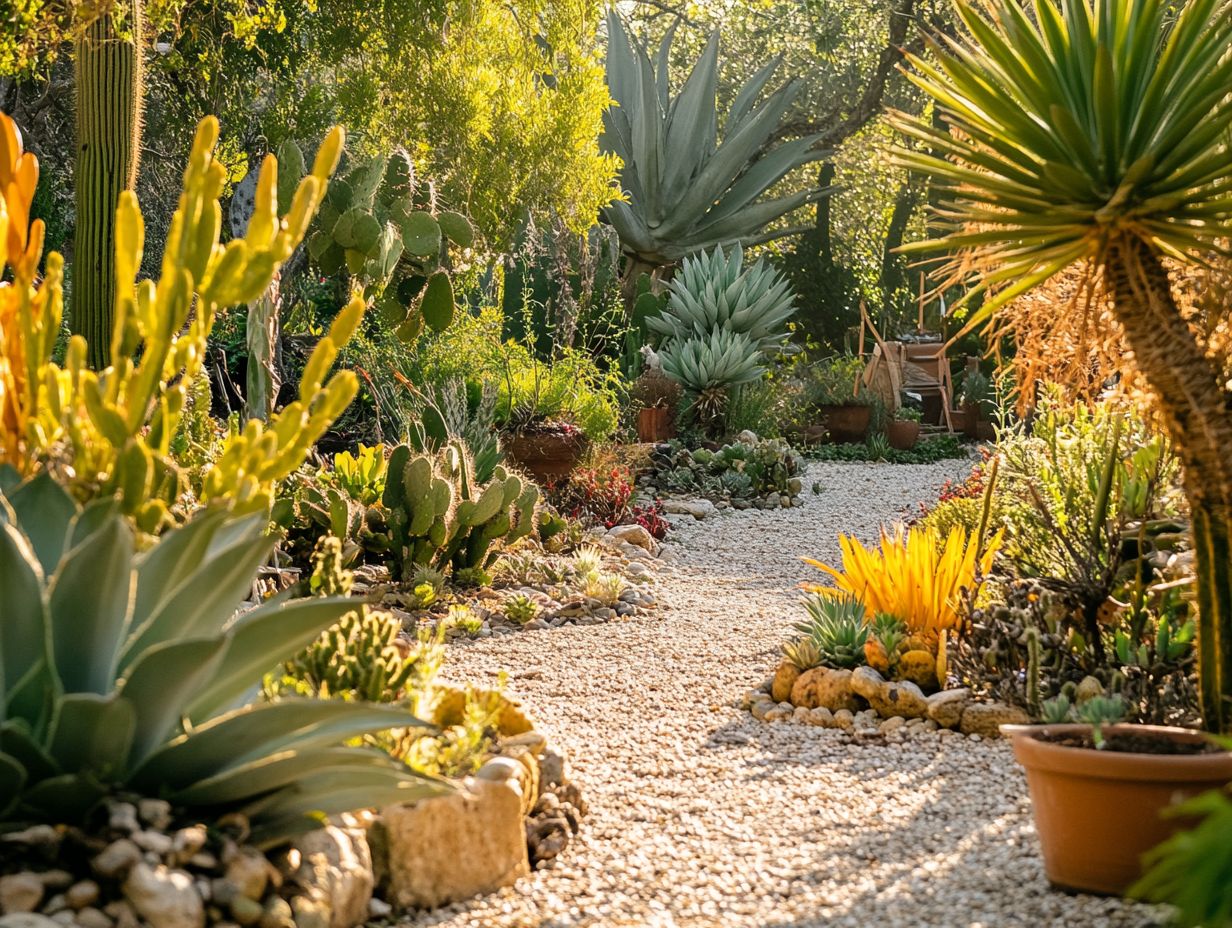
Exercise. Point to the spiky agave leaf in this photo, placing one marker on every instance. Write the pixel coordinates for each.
(716, 290)
(687, 187)
(723, 359)
(1079, 125)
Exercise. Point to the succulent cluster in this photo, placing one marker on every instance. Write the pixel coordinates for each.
(835, 627)
(740, 470)
(380, 223)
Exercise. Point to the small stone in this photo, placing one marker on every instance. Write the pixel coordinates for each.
(28, 920)
(153, 841)
(379, 908)
(122, 817)
(784, 679)
(56, 880)
(553, 768)
(894, 723)
(800, 715)
(56, 903)
(164, 898)
(246, 911)
(249, 873)
(122, 913)
(780, 713)
(277, 913)
(91, 917)
(821, 717)
(67, 917)
(35, 836)
(188, 841)
(845, 719)
(156, 813)
(20, 892)
(82, 894)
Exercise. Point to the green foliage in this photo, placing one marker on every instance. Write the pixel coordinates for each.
(937, 448)
(1056, 711)
(738, 470)
(1192, 869)
(439, 516)
(1099, 711)
(835, 625)
(836, 381)
(521, 609)
(803, 654)
(362, 478)
(443, 413)
(688, 186)
(120, 672)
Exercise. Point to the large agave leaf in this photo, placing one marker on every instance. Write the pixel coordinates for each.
(690, 128)
(260, 640)
(92, 734)
(88, 603)
(23, 646)
(12, 778)
(44, 510)
(162, 683)
(262, 730)
(164, 567)
(62, 798)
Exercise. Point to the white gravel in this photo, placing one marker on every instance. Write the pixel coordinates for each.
(702, 816)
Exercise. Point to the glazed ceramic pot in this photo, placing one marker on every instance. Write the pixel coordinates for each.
(1098, 811)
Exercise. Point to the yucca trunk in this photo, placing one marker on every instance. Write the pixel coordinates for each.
(1195, 407)
(108, 76)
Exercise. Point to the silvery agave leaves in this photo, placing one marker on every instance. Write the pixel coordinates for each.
(724, 359)
(130, 671)
(688, 185)
(715, 291)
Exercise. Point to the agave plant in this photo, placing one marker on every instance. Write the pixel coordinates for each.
(835, 626)
(1094, 132)
(722, 359)
(689, 186)
(716, 291)
(129, 672)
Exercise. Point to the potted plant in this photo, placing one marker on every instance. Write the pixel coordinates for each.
(838, 394)
(903, 431)
(978, 403)
(655, 396)
(1099, 789)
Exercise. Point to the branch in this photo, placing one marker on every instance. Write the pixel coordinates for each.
(833, 130)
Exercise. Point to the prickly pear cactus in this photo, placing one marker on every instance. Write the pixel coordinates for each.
(438, 516)
(380, 225)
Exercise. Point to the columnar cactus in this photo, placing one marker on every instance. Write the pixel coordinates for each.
(108, 75)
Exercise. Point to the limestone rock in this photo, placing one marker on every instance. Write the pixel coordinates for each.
(946, 708)
(821, 717)
(450, 848)
(889, 697)
(834, 691)
(784, 679)
(634, 535)
(697, 508)
(804, 692)
(20, 892)
(336, 871)
(986, 719)
(164, 898)
(27, 920)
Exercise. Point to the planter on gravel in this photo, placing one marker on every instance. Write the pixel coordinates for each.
(847, 423)
(902, 434)
(1098, 811)
(549, 453)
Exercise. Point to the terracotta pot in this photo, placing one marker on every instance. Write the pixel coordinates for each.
(902, 434)
(958, 419)
(1098, 812)
(655, 424)
(548, 456)
(847, 423)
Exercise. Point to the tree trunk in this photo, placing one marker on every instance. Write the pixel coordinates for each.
(1189, 390)
(109, 96)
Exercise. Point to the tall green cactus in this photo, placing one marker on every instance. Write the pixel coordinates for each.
(110, 88)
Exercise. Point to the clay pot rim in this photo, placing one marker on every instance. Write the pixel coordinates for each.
(1089, 763)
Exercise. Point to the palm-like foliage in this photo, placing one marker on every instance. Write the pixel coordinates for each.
(1080, 124)
(1096, 131)
(127, 671)
(716, 291)
(688, 185)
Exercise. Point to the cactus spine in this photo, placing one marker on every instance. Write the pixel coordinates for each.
(110, 88)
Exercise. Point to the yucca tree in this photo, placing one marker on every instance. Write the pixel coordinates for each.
(691, 184)
(1095, 132)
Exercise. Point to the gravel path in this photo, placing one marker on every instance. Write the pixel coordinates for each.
(702, 816)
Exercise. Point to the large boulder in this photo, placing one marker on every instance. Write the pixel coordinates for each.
(636, 535)
(833, 692)
(450, 848)
(804, 692)
(335, 872)
(986, 718)
(946, 708)
(784, 679)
